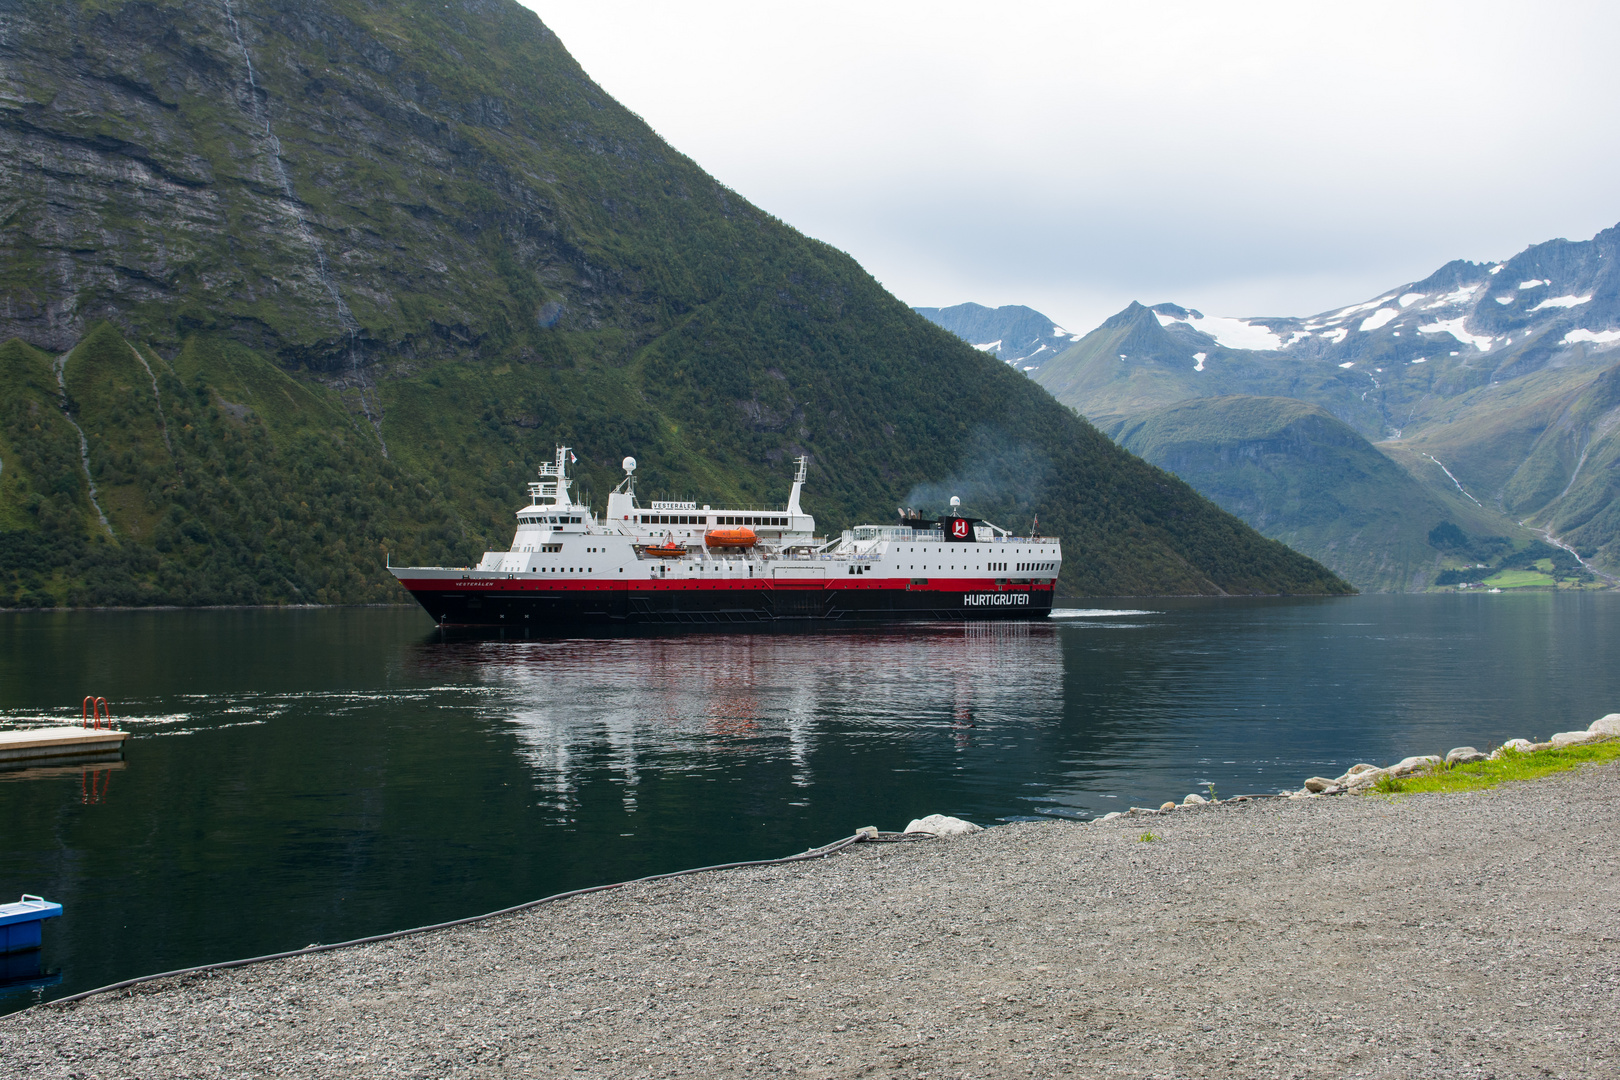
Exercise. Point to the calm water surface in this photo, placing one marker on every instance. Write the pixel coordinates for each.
(304, 776)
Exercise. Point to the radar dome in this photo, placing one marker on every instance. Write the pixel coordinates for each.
(629, 465)
(955, 502)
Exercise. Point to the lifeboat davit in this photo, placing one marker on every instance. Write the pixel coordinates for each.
(730, 538)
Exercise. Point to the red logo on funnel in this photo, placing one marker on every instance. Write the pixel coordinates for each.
(959, 528)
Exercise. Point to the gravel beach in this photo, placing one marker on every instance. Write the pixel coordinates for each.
(1470, 935)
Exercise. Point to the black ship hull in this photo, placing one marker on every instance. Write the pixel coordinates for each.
(535, 607)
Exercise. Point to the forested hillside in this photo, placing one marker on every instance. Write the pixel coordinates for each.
(323, 282)
(1298, 474)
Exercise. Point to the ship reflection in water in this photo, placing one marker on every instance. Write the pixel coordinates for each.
(797, 703)
(344, 772)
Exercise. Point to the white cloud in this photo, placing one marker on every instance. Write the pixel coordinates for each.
(1020, 153)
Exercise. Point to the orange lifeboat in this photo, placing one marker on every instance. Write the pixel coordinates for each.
(730, 538)
(671, 550)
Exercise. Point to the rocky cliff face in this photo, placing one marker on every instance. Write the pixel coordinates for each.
(334, 183)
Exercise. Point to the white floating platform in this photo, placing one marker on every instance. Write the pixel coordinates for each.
(38, 744)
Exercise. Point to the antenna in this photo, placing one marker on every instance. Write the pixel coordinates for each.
(956, 503)
(629, 465)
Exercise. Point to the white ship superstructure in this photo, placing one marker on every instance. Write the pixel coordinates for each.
(674, 561)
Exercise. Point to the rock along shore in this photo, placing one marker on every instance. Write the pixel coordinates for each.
(1470, 935)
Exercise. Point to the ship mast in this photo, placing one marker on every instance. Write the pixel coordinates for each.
(551, 490)
(803, 462)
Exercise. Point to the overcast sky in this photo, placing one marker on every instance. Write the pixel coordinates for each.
(1243, 158)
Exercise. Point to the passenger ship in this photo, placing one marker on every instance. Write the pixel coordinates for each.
(677, 562)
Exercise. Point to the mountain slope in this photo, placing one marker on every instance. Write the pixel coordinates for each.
(1019, 336)
(1490, 379)
(1300, 475)
(322, 282)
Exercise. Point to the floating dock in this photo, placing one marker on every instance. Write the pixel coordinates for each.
(38, 745)
(19, 923)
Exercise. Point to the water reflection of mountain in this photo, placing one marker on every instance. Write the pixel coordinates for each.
(694, 701)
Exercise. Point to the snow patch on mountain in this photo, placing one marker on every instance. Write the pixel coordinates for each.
(1533, 283)
(1381, 317)
(1597, 337)
(1452, 299)
(1229, 333)
(1455, 328)
(1563, 302)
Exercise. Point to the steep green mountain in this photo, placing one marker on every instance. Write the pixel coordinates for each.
(296, 286)
(1299, 474)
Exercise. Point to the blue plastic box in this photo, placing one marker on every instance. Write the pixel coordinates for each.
(20, 923)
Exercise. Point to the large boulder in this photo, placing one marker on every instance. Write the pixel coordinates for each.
(1366, 779)
(940, 825)
(1408, 766)
(1513, 746)
(1575, 738)
(1464, 755)
(1608, 725)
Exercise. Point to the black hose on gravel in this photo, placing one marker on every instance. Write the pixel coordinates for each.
(862, 837)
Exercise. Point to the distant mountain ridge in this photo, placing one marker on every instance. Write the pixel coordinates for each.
(1019, 336)
(1492, 383)
(1468, 325)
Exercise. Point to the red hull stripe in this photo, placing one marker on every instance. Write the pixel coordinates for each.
(553, 585)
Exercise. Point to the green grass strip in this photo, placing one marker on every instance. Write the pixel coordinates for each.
(1512, 765)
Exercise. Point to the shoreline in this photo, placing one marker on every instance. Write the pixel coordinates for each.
(1466, 935)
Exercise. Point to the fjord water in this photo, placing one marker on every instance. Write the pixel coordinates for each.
(300, 776)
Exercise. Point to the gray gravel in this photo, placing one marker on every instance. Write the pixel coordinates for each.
(1425, 936)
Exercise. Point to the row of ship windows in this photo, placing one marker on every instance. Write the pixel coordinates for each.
(711, 519)
(553, 519)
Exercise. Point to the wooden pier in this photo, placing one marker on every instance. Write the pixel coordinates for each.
(39, 745)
